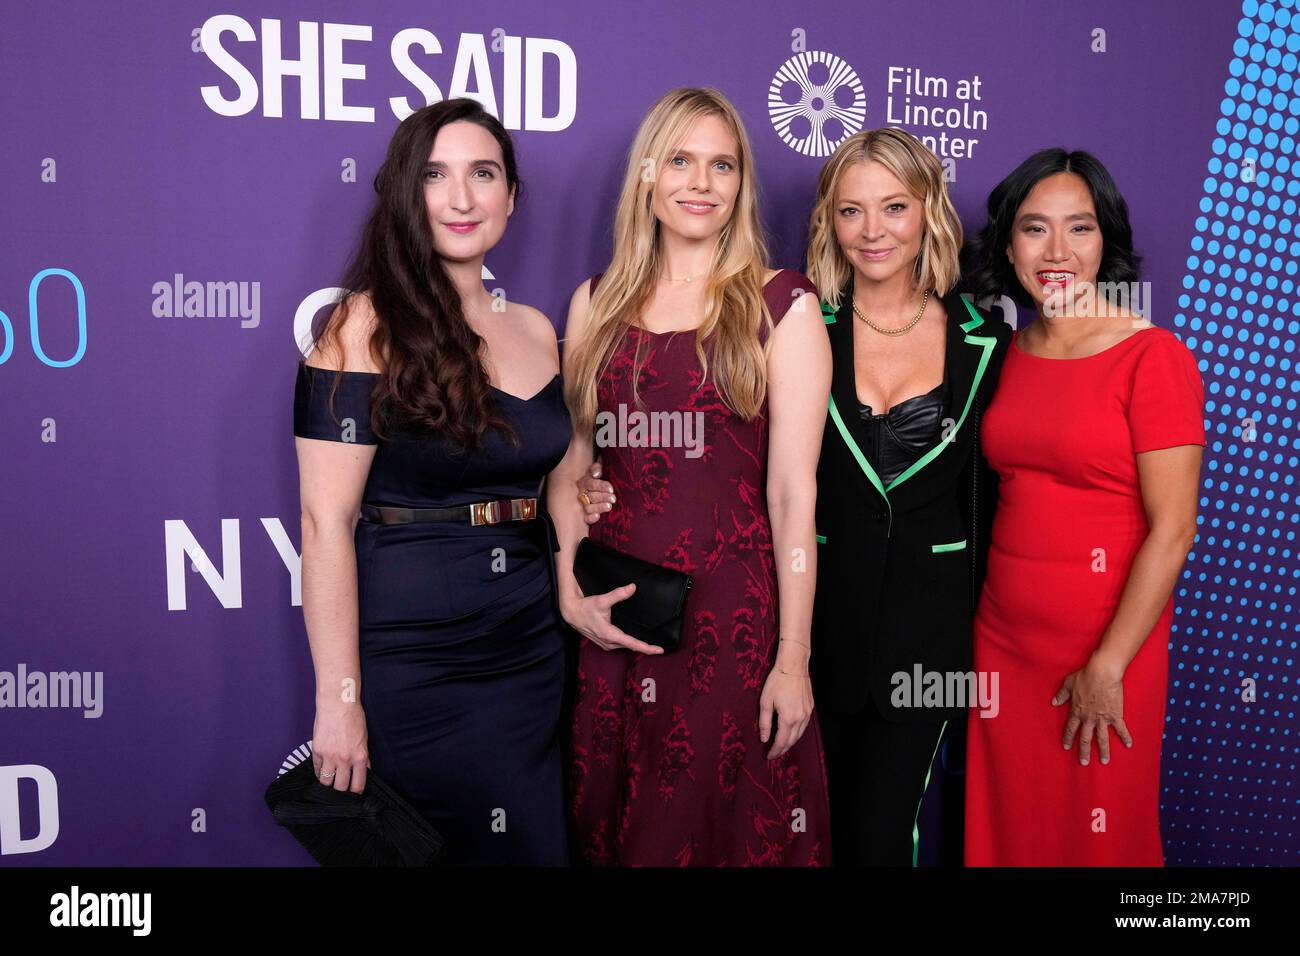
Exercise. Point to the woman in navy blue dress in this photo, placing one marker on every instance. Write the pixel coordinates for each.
(428, 414)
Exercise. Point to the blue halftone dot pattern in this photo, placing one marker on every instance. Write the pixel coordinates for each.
(1229, 787)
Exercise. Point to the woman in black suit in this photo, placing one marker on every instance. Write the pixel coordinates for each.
(904, 499)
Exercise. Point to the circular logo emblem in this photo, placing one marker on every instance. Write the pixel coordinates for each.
(816, 102)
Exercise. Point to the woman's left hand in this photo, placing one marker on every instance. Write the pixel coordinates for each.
(595, 496)
(792, 699)
(1096, 696)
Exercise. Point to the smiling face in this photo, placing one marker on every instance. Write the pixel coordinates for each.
(1056, 245)
(465, 191)
(878, 223)
(695, 191)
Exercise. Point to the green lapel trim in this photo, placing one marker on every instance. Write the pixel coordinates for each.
(828, 314)
(856, 451)
(987, 342)
(976, 319)
(916, 820)
(954, 546)
(821, 539)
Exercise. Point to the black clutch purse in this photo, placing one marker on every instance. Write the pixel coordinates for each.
(654, 611)
(340, 828)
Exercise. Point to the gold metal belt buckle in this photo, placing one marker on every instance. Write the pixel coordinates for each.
(489, 512)
(485, 512)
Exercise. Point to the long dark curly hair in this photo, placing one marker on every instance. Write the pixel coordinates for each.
(985, 269)
(433, 379)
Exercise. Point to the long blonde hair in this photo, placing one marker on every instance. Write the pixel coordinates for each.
(917, 168)
(733, 297)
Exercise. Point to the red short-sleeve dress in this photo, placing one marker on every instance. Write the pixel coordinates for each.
(1063, 435)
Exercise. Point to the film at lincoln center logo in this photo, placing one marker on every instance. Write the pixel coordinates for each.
(816, 101)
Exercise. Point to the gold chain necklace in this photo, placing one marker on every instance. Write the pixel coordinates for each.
(916, 319)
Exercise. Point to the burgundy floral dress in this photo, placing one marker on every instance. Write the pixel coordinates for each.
(668, 768)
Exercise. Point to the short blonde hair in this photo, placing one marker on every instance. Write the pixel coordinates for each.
(917, 168)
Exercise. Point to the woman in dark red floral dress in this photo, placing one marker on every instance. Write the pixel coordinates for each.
(709, 755)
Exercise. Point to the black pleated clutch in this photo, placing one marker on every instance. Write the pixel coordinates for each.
(654, 611)
(340, 828)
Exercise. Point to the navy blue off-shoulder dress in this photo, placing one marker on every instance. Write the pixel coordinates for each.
(461, 644)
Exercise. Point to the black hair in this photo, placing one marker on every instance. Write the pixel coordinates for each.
(985, 269)
(434, 379)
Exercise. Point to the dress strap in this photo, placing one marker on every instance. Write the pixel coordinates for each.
(778, 294)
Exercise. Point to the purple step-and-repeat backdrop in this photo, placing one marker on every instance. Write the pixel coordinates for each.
(181, 184)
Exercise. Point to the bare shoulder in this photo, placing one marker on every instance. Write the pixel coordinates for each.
(579, 303)
(352, 323)
(581, 297)
(800, 331)
(770, 274)
(535, 322)
(1124, 327)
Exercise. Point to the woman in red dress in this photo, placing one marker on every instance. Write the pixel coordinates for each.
(709, 755)
(1095, 431)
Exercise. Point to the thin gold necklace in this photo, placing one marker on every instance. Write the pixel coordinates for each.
(919, 312)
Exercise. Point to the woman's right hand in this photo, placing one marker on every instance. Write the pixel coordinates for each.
(590, 616)
(595, 496)
(338, 746)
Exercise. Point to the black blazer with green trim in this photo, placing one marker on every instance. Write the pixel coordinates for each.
(900, 568)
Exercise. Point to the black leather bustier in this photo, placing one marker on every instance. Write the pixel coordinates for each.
(901, 435)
